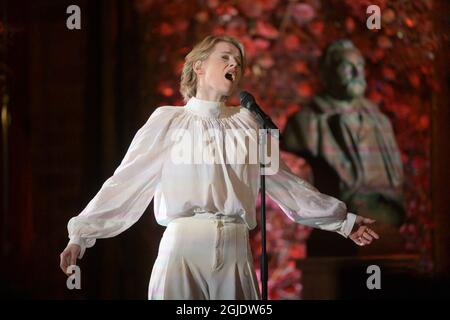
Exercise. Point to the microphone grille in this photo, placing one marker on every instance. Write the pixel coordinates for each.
(246, 99)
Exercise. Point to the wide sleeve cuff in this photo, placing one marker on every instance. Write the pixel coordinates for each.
(347, 225)
(83, 243)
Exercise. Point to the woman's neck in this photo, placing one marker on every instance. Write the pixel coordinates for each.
(208, 95)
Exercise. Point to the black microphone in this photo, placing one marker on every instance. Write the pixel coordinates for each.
(248, 102)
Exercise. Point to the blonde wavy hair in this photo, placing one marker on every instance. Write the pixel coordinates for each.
(201, 52)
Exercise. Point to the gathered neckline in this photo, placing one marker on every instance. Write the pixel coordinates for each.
(210, 109)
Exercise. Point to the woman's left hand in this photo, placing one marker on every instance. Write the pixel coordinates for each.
(362, 235)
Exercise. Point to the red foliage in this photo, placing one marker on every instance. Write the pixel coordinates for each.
(291, 42)
(303, 13)
(266, 30)
(317, 27)
(304, 90)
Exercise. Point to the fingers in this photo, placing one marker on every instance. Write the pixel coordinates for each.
(362, 241)
(63, 262)
(367, 236)
(73, 257)
(68, 258)
(368, 221)
(372, 233)
(364, 236)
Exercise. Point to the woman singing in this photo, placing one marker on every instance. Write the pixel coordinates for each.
(207, 206)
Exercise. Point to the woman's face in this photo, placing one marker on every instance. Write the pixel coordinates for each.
(220, 73)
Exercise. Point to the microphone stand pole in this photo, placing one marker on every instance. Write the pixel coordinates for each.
(264, 265)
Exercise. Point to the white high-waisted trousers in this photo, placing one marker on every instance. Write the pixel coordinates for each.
(204, 257)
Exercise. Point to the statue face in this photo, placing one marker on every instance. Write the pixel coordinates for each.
(347, 80)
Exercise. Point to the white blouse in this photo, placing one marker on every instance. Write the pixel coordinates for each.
(152, 168)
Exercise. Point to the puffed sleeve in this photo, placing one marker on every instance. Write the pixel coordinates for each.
(125, 195)
(304, 204)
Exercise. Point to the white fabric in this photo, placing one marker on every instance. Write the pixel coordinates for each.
(221, 270)
(148, 171)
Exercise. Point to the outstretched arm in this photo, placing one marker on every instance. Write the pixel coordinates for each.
(123, 197)
(304, 204)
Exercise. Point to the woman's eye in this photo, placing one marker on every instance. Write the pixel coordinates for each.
(228, 58)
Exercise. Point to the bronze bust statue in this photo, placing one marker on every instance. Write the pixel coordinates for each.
(349, 144)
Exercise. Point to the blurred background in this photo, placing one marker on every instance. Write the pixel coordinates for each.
(72, 101)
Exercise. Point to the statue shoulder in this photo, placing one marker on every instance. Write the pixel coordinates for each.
(312, 107)
(371, 106)
(307, 112)
(321, 104)
(374, 109)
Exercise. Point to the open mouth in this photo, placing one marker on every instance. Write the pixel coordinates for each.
(230, 76)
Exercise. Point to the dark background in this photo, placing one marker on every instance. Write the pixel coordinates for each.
(71, 126)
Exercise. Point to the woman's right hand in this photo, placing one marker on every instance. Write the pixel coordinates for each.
(69, 257)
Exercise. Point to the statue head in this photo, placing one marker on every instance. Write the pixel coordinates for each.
(342, 70)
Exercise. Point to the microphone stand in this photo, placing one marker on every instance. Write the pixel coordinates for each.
(264, 264)
(265, 123)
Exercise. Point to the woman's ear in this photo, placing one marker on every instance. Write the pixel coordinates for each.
(198, 67)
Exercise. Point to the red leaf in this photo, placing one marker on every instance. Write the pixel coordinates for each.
(261, 44)
(165, 90)
(414, 79)
(226, 9)
(301, 67)
(375, 96)
(298, 251)
(388, 15)
(179, 67)
(409, 22)
(250, 47)
(291, 42)
(250, 8)
(384, 42)
(181, 25)
(349, 24)
(266, 61)
(202, 16)
(376, 55)
(213, 3)
(266, 30)
(424, 122)
(388, 73)
(316, 27)
(218, 30)
(303, 13)
(165, 29)
(388, 90)
(268, 4)
(304, 90)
